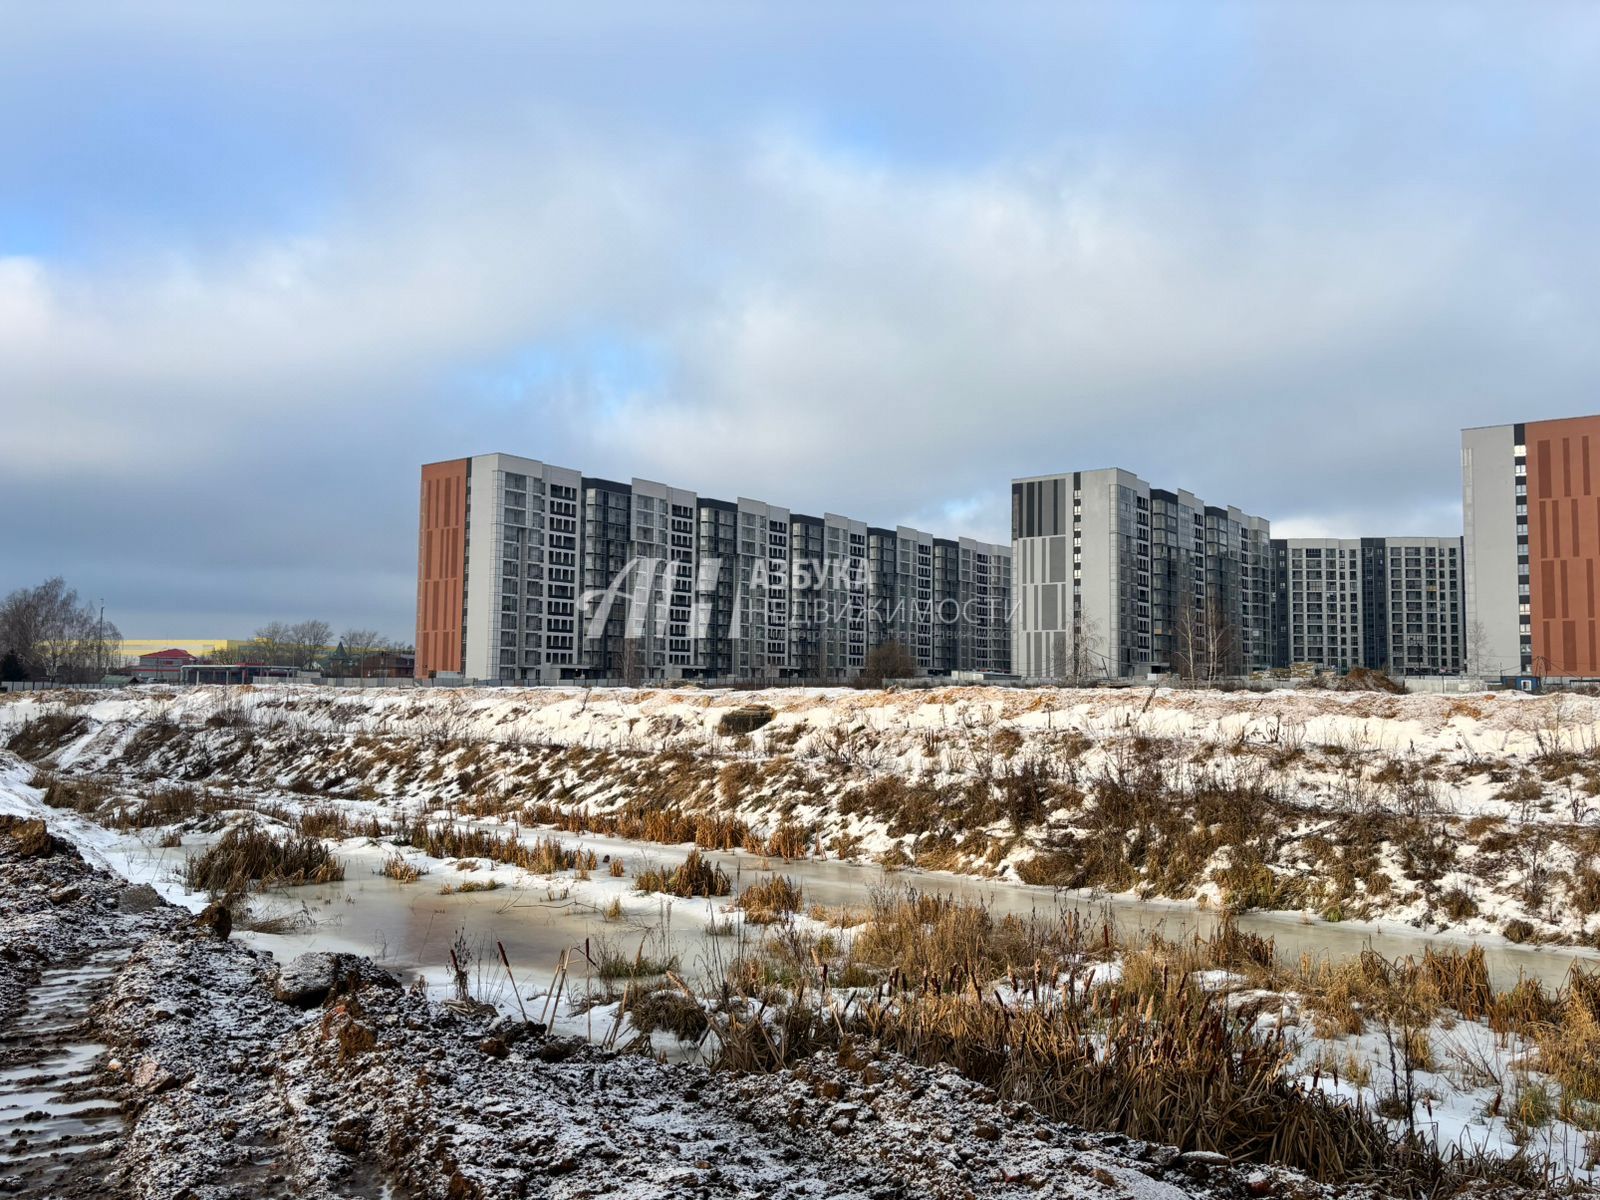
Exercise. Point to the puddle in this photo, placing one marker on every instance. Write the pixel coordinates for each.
(410, 927)
(58, 1123)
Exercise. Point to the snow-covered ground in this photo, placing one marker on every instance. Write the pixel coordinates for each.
(1469, 1095)
(241, 1074)
(1484, 807)
(1478, 814)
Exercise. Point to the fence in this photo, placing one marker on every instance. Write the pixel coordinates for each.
(1446, 685)
(35, 685)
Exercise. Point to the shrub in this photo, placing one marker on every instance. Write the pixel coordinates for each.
(744, 720)
(1518, 930)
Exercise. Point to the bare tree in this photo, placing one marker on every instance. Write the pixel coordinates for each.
(885, 661)
(1087, 652)
(1217, 643)
(279, 644)
(53, 634)
(1204, 646)
(1187, 637)
(632, 665)
(309, 641)
(1477, 648)
(1079, 653)
(272, 645)
(358, 643)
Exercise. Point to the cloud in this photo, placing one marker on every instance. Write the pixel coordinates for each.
(1281, 269)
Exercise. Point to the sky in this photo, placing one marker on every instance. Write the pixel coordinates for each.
(260, 262)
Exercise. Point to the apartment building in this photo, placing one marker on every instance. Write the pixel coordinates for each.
(1321, 617)
(529, 572)
(1115, 577)
(1421, 607)
(1392, 604)
(1531, 503)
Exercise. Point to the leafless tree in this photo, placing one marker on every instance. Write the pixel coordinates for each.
(309, 641)
(633, 665)
(54, 635)
(1220, 652)
(271, 644)
(1187, 637)
(1080, 653)
(358, 643)
(887, 660)
(1203, 641)
(280, 644)
(1477, 648)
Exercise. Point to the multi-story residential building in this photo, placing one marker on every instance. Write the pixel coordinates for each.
(1531, 502)
(1321, 589)
(1392, 604)
(1422, 609)
(984, 599)
(529, 572)
(1114, 577)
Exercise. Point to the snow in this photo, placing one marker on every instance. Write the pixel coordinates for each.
(1473, 745)
(1472, 759)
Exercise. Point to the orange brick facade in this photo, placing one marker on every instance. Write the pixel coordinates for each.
(441, 567)
(1564, 544)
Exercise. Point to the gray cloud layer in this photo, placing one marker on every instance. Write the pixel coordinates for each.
(877, 268)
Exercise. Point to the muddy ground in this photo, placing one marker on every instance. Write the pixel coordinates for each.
(208, 1069)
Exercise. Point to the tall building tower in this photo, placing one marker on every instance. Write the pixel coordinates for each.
(1531, 503)
(1114, 577)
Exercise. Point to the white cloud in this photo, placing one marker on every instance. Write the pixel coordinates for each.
(890, 341)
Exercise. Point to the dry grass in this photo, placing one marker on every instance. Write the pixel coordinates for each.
(745, 720)
(401, 869)
(1148, 1053)
(84, 796)
(695, 876)
(328, 821)
(638, 821)
(545, 856)
(249, 856)
(45, 734)
(470, 885)
(169, 805)
(1569, 1046)
(788, 840)
(670, 1010)
(611, 962)
(770, 900)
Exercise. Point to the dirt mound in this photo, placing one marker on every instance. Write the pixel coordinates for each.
(1358, 679)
